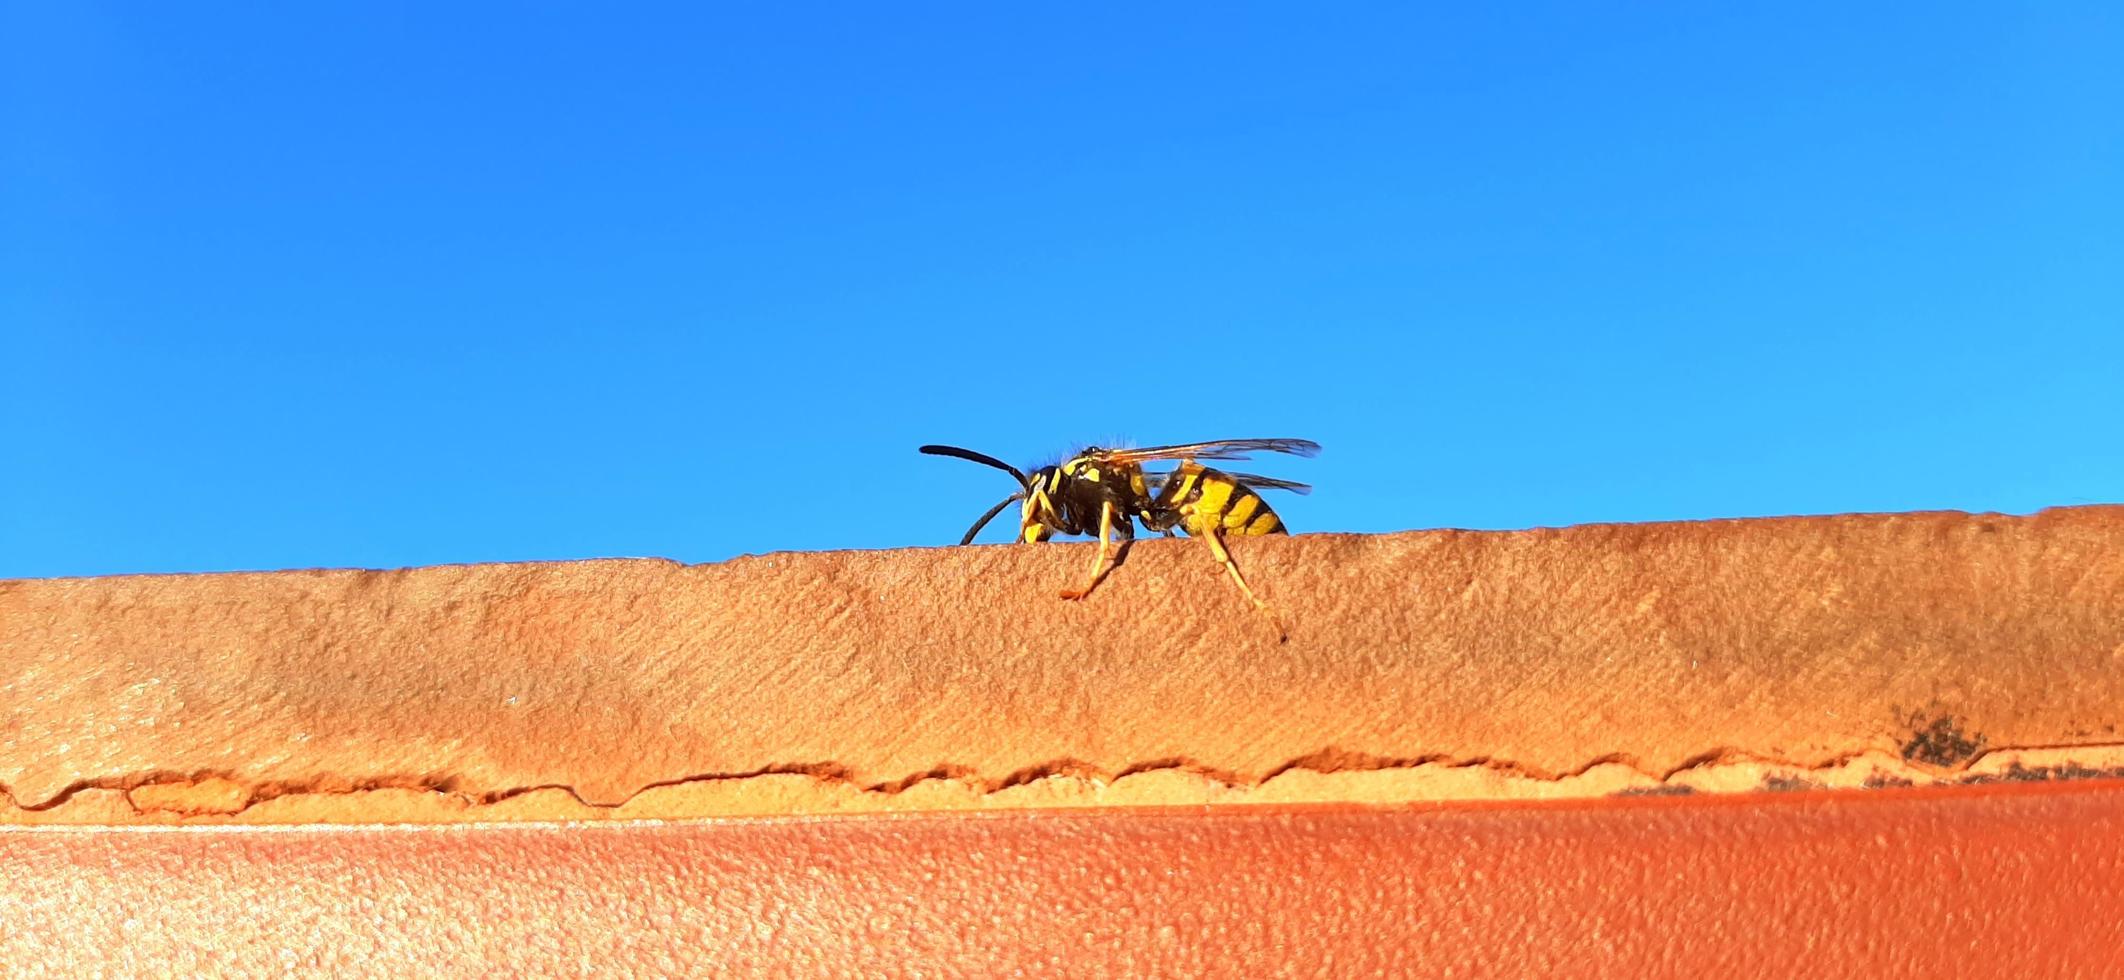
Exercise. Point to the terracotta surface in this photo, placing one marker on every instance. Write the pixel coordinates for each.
(1854, 650)
(2009, 881)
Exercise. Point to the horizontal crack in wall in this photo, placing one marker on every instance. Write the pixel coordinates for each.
(1326, 777)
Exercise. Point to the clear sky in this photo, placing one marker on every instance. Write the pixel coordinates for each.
(421, 283)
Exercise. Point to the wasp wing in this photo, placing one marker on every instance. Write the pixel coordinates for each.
(1247, 480)
(1222, 449)
(1251, 481)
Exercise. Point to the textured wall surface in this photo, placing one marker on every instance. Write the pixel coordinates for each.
(1533, 753)
(1851, 650)
(2007, 881)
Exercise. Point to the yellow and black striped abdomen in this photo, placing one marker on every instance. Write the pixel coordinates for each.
(1200, 500)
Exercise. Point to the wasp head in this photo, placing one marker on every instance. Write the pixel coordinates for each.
(1037, 516)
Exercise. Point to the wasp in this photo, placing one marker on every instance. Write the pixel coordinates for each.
(1106, 491)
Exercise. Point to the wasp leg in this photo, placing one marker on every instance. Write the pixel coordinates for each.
(1215, 538)
(1100, 564)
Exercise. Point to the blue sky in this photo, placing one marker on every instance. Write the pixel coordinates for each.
(395, 286)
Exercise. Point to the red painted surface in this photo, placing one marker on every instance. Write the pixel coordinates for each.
(2006, 881)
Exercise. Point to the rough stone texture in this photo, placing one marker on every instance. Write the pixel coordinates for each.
(1931, 640)
(2011, 881)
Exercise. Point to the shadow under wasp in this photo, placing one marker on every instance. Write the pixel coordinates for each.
(1105, 491)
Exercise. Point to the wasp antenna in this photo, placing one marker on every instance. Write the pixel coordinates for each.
(983, 459)
(991, 515)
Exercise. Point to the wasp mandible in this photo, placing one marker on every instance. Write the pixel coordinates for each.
(1105, 491)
